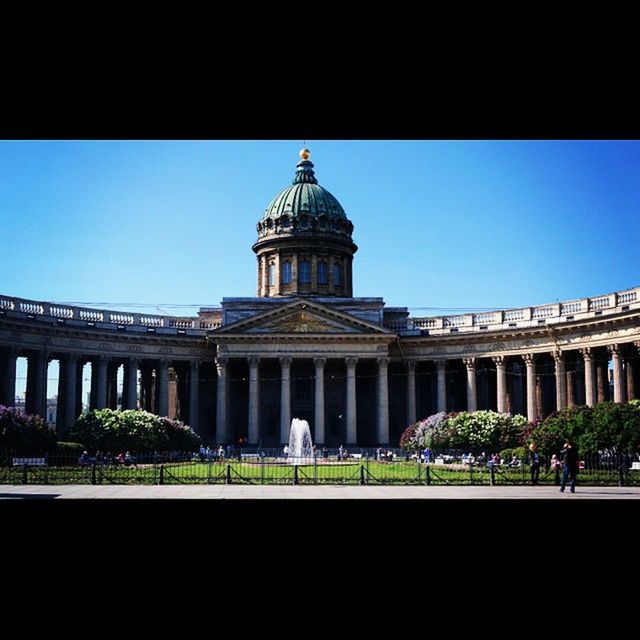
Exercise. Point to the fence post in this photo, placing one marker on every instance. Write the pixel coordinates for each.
(621, 472)
(93, 473)
(492, 472)
(295, 474)
(161, 481)
(427, 474)
(209, 471)
(228, 474)
(262, 470)
(362, 474)
(25, 479)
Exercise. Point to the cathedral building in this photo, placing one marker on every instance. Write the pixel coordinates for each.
(358, 371)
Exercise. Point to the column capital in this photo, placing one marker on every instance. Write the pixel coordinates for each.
(164, 363)
(470, 363)
(614, 349)
(195, 364)
(441, 364)
(499, 361)
(636, 344)
(103, 360)
(253, 361)
(319, 362)
(586, 353)
(351, 362)
(74, 355)
(529, 359)
(558, 356)
(221, 362)
(285, 361)
(383, 361)
(134, 361)
(411, 365)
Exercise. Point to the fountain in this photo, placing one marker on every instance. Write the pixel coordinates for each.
(300, 444)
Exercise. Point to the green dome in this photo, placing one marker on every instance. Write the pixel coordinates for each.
(304, 196)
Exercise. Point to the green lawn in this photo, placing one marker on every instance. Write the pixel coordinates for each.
(369, 472)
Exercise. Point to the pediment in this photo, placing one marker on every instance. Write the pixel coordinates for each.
(302, 317)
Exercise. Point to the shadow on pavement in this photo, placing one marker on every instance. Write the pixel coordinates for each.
(29, 496)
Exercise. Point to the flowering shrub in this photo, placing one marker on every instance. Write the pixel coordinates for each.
(464, 430)
(24, 433)
(109, 430)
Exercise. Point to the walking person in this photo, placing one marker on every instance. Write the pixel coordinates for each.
(535, 464)
(569, 455)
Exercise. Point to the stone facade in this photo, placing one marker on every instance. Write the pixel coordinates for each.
(358, 371)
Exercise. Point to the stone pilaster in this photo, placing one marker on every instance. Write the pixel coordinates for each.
(163, 387)
(411, 391)
(285, 399)
(221, 400)
(70, 369)
(383, 400)
(194, 395)
(254, 400)
(101, 365)
(351, 401)
(130, 399)
(319, 400)
(441, 366)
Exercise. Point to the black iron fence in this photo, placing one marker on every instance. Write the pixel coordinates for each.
(357, 467)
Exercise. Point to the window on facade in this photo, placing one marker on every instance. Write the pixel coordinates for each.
(337, 274)
(286, 272)
(304, 272)
(272, 274)
(322, 273)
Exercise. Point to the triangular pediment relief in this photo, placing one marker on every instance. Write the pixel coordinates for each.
(302, 317)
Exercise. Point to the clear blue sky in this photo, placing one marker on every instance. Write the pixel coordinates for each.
(439, 224)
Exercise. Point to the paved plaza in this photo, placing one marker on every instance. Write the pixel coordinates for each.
(289, 492)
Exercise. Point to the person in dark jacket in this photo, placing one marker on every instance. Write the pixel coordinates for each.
(534, 457)
(569, 456)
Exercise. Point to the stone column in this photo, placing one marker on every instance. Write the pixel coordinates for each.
(383, 400)
(629, 365)
(411, 391)
(146, 383)
(40, 389)
(163, 387)
(70, 367)
(472, 402)
(352, 423)
(529, 360)
(221, 400)
(501, 379)
(589, 376)
(319, 403)
(8, 397)
(194, 395)
(254, 400)
(571, 400)
(618, 380)
(561, 381)
(285, 399)
(442, 385)
(79, 376)
(130, 391)
(602, 372)
(101, 364)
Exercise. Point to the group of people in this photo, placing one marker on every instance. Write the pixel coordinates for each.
(125, 459)
(384, 455)
(568, 462)
(207, 453)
